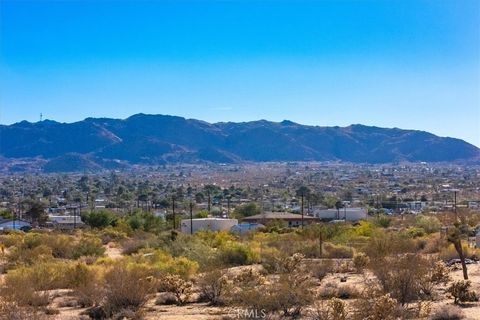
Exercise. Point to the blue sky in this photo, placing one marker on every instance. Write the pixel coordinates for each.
(407, 64)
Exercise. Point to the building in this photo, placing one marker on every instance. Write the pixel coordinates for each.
(351, 214)
(292, 219)
(7, 224)
(213, 224)
(65, 222)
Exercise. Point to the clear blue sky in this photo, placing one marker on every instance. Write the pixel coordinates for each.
(408, 64)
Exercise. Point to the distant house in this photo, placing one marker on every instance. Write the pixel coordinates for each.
(65, 222)
(6, 224)
(213, 224)
(351, 214)
(292, 219)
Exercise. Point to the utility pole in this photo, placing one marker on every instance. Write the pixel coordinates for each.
(455, 204)
(209, 202)
(173, 212)
(302, 209)
(228, 205)
(191, 217)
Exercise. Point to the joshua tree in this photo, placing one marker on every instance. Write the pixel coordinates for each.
(455, 236)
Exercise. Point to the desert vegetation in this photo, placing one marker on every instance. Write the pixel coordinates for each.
(136, 266)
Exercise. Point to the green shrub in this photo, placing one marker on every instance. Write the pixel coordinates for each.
(88, 246)
(100, 219)
(236, 254)
(428, 223)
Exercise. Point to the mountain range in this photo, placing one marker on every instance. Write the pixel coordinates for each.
(104, 143)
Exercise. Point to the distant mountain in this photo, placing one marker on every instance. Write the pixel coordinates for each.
(103, 143)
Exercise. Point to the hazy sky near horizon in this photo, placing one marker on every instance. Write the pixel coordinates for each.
(409, 64)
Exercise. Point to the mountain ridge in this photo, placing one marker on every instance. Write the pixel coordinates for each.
(158, 139)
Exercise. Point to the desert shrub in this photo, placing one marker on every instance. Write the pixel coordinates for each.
(383, 221)
(360, 261)
(434, 243)
(414, 232)
(402, 276)
(338, 251)
(460, 291)
(374, 305)
(292, 292)
(429, 224)
(162, 262)
(126, 287)
(214, 286)
(448, 312)
(87, 284)
(236, 254)
(181, 289)
(194, 249)
(23, 255)
(140, 240)
(384, 244)
(271, 259)
(22, 288)
(320, 269)
(13, 311)
(215, 239)
(132, 246)
(40, 276)
(110, 234)
(334, 309)
(13, 238)
(88, 246)
(60, 244)
(436, 273)
(365, 229)
(347, 292)
(328, 290)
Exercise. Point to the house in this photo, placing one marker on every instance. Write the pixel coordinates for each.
(65, 222)
(213, 224)
(7, 224)
(292, 219)
(351, 214)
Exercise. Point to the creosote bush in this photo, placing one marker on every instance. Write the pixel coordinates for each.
(127, 287)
